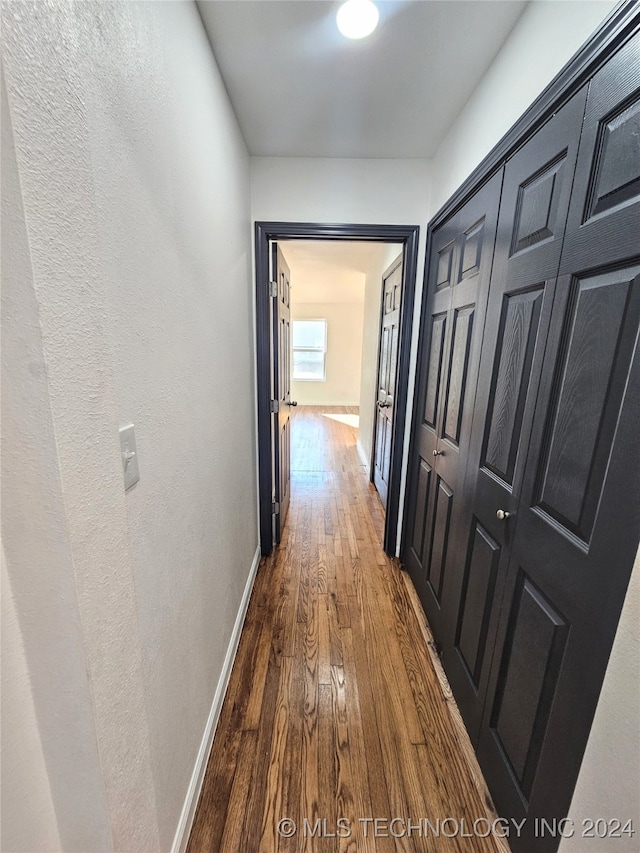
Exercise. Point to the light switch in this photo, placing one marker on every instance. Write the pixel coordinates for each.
(129, 456)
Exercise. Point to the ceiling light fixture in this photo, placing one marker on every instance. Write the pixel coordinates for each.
(357, 18)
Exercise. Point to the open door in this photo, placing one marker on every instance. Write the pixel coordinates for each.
(387, 369)
(271, 313)
(281, 390)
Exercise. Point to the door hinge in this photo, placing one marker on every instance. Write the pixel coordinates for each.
(273, 288)
(275, 508)
(274, 407)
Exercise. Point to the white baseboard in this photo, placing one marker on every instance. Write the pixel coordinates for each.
(197, 777)
(362, 455)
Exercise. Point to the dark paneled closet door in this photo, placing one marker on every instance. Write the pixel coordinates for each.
(531, 225)
(459, 272)
(578, 521)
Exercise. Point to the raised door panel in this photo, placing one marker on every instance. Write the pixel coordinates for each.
(529, 672)
(599, 334)
(444, 257)
(434, 371)
(586, 383)
(458, 373)
(423, 489)
(616, 174)
(478, 589)
(519, 325)
(383, 373)
(439, 544)
(393, 362)
(605, 210)
(537, 206)
(379, 443)
(473, 245)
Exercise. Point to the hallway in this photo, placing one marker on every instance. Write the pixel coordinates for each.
(334, 708)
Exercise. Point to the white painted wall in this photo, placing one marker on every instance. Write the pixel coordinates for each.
(47, 643)
(298, 189)
(336, 285)
(370, 343)
(127, 297)
(344, 353)
(28, 815)
(543, 40)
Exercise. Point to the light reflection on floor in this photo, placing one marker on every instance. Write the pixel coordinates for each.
(349, 420)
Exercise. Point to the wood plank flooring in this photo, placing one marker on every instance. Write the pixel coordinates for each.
(337, 712)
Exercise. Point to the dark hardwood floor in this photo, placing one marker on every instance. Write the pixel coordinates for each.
(337, 712)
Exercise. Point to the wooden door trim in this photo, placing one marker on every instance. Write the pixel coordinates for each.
(408, 236)
(617, 28)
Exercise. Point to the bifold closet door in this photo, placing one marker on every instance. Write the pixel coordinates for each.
(578, 520)
(458, 278)
(531, 226)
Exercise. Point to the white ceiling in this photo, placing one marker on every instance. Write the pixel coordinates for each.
(329, 270)
(353, 255)
(300, 89)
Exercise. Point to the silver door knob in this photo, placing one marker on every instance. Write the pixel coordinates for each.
(502, 515)
(292, 403)
(438, 452)
(383, 405)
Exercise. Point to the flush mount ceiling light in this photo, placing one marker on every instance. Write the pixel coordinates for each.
(357, 18)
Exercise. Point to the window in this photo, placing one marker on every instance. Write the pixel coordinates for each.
(309, 349)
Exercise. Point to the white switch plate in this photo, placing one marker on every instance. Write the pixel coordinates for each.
(129, 456)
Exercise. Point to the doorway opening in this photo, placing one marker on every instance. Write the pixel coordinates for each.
(294, 357)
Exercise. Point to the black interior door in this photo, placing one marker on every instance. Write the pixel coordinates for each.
(281, 397)
(578, 520)
(387, 369)
(458, 278)
(531, 226)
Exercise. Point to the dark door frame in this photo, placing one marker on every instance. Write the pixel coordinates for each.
(408, 236)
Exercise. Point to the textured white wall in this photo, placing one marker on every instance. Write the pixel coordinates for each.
(129, 288)
(370, 343)
(543, 40)
(38, 554)
(344, 352)
(28, 815)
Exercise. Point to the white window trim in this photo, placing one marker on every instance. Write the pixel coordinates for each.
(323, 350)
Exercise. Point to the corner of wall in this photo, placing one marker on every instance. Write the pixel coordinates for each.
(607, 783)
